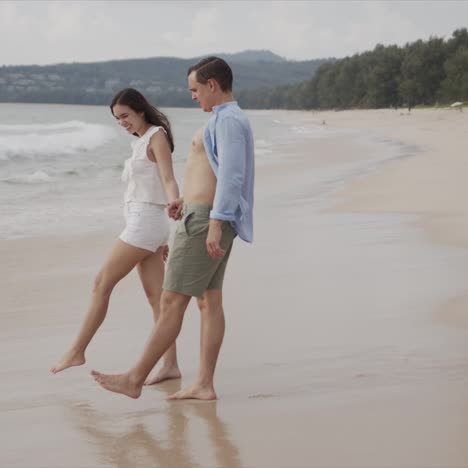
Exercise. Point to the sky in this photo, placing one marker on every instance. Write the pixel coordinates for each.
(65, 31)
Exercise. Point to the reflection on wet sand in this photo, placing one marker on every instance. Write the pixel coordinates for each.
(137, 439)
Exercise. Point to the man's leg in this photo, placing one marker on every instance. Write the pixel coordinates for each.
(173, 306)
(151, 271)
(212, 333)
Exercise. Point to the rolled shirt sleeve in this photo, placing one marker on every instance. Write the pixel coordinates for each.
(231, 143)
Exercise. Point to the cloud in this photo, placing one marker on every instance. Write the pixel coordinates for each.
(71, 31)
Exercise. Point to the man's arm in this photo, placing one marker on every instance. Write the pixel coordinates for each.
(231, 144)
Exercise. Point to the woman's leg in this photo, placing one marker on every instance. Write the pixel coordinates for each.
(151, 271)
(121, 261)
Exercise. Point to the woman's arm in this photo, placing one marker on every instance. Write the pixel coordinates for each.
(159, 147)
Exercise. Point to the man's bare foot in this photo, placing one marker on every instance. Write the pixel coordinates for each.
(119, 383)
(166, 373)
(194, 393)
(69, 359)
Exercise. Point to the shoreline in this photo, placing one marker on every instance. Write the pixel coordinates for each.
(431, 163)
(429, 185)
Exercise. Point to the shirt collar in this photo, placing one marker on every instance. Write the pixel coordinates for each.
(224, 105)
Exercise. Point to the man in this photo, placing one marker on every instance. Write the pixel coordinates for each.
(217, 206)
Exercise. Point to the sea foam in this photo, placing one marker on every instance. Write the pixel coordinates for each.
(37, 177)
(51, 140)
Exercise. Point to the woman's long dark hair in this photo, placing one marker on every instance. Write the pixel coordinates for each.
(135, 100)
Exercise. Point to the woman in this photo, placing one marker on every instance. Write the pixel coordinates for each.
(151, 186)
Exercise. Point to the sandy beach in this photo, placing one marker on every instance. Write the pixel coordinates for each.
(347, 322)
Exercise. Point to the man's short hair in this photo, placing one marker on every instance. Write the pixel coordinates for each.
(215, 68)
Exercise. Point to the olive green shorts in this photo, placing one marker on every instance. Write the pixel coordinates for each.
(190, 269)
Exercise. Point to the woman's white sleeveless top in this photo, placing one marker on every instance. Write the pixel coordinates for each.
(142, 175)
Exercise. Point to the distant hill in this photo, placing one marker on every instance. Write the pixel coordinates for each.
(162, 79)
(252, 56)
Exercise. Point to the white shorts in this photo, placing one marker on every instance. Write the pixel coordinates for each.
(147, 226)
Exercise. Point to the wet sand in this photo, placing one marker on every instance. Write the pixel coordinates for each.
(346, 341)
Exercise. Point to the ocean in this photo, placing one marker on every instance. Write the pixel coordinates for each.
(60, 165)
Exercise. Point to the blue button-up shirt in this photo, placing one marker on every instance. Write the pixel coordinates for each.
(229, 144)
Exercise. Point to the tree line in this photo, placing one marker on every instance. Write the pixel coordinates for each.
(432, 72)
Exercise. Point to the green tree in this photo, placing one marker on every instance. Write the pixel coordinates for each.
(455, 85)
(422, 71)
(383, 80)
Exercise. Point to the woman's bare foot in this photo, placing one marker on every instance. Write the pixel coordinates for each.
(195, 392)
(120, 383)
(69, 359)
(166, 373)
